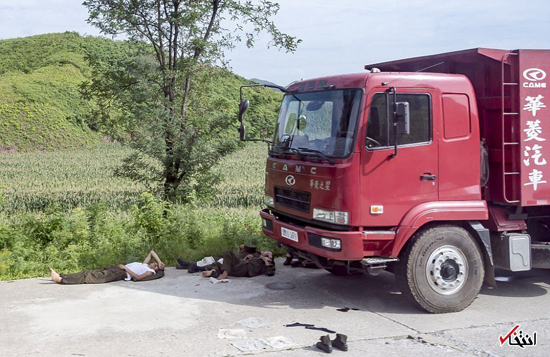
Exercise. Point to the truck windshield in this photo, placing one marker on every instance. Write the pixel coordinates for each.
(320, 123)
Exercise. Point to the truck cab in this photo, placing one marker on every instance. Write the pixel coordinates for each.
(340, 169)
(410, 171)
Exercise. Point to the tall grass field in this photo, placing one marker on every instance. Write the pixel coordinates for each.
(66, 210)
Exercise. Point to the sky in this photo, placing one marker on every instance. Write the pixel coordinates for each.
(338, 36)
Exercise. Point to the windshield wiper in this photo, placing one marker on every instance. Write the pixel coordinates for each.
(317, 153)
(285, 150)
(301, 152)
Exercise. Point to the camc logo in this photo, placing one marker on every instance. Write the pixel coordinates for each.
(534, 75)
(290, 180)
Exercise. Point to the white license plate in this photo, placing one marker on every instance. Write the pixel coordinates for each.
(290, 234)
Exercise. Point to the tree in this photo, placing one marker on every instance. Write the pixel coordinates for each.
(158, 88)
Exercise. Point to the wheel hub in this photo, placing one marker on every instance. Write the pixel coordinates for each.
(447, 270)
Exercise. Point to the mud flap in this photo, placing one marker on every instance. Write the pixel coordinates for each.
(485, 238)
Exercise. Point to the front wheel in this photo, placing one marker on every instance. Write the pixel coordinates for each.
(441, 270)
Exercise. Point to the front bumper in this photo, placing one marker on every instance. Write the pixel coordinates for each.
(355, 245)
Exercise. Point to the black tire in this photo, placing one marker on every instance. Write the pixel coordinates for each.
(441, 270)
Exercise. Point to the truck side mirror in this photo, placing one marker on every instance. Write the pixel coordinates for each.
(242, 109)
(242, 132)
(402, 118)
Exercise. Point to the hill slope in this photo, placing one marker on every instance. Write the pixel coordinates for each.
(40, 106)
(40, 103)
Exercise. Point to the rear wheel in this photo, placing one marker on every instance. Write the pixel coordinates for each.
(441, 270)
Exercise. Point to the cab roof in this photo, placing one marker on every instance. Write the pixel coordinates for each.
(382, 79)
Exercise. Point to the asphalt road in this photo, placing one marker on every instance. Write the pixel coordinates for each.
(185, 315)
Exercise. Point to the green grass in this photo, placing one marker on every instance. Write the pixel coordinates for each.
(244, 178)
(65, 209)
(30, 53)
(32, 182)
(60, 204)
(41, 107)
(65, 179)
(40, 104)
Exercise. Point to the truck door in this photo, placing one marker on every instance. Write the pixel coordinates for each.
(392, 185)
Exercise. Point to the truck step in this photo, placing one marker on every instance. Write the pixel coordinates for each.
(378, 260)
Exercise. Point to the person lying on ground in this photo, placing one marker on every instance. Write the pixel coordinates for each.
(298, 262)
(136, 270)
(209, 263)
(246, 250)
(251, 265)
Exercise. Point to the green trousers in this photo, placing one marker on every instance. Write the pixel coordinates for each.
(98, 276)
(241, 268)
(233, 265)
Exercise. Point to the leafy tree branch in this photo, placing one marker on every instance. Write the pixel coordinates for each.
(160, 93)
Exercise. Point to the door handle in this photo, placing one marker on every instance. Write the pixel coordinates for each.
(427, 177)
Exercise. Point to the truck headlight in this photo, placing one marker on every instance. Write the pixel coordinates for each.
(267, 224)
(332, 243)
(268, 200)
(337, 217)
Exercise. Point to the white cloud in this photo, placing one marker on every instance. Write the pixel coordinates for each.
(32, 17)
(338, 36)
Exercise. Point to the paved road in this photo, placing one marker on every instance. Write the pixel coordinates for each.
(185, 315)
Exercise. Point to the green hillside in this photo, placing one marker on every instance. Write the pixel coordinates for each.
(40, 104)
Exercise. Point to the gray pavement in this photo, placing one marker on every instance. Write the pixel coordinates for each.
(185, 315)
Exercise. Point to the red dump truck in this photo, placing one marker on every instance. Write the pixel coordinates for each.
(436, 168)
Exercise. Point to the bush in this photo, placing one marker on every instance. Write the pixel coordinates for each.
(66, 211)
(93, 237)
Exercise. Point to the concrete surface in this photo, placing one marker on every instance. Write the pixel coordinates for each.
(185, 315)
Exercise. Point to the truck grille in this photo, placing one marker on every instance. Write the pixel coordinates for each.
(296, 200)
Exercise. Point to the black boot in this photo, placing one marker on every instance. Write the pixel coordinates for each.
(340, 342)
(194, 268)
(288, 259)
(325, 344)
(182, 264)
